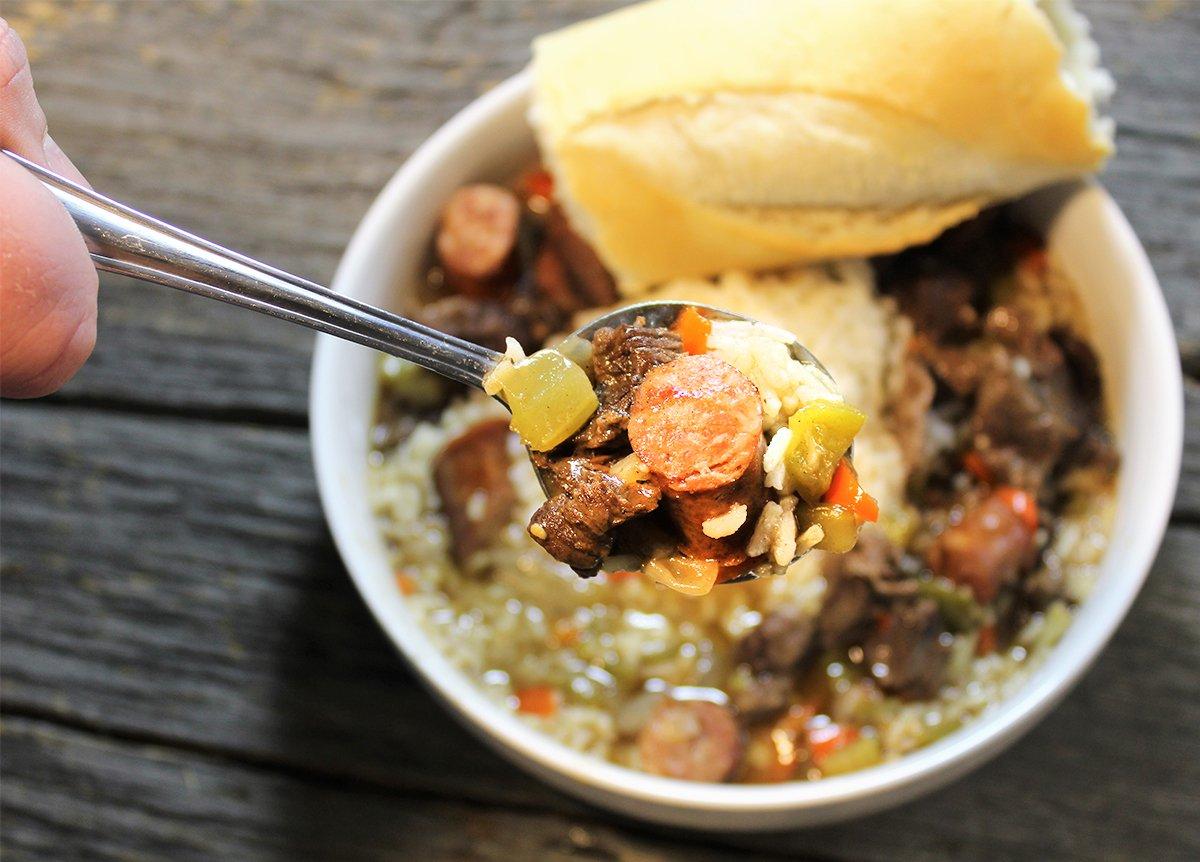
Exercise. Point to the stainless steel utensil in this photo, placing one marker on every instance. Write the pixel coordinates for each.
(123, 240)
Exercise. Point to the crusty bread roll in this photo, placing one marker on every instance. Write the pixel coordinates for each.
(692, 136)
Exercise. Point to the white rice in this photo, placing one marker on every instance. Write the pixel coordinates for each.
(610, 644)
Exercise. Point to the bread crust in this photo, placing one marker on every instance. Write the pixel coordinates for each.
(692, 136)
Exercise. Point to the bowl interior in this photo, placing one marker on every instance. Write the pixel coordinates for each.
(491, 139)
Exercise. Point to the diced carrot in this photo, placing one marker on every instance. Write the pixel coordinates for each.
(622, 576)
(845, 491)
(405, 583)
(565, 633)
(974, 464)
(538, 183)
(987, 640)
(1035, 261)
(825, 739)
(775, 751)
(693, 328)
(538, 700)
(1021, 502)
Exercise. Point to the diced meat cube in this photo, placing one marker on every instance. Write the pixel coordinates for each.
(471, 477)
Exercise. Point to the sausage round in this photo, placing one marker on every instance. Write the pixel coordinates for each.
(696, 422)
(986, 550)
(477, 234)
(690, 739)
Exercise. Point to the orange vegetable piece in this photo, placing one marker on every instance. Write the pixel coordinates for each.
(987, 640)
(974, 464)
(405, 583)
(845, 491)
(825, 739)
(565, 633)
(622, 576)
(1021, 502)
(538, 700)
(538, 183)
(693, 328)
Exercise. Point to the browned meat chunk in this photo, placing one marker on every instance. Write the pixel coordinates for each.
(696, 422)
(762, 695)
(907, 653)
(588, 275)
(622, 356)
(553, 283)
(574, 524)
(1021, 426)
(986, 550)
(471, 476)
(690, 739)
(479, 321)
(940, 304)
(1016, 330)
(847, 613)
(1083, 364)
(778, 643)
(961, 368)
(908, 409)
(477, 235)
(859, 582)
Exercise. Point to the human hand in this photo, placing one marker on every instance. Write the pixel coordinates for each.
(47, 281)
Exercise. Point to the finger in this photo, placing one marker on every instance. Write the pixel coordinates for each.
(57, 161)
(47, 289)
(22, 123)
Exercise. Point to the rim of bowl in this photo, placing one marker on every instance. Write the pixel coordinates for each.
(920, 770)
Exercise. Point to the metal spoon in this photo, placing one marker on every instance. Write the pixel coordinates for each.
(123, 240)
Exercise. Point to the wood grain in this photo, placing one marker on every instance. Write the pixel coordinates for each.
(229, 628)
(70, 795)
(271, 126)
(186, 670)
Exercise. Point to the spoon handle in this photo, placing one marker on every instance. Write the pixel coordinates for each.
(123, 240)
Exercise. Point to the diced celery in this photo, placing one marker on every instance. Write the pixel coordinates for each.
(839, 525)
(957, 603)
(932, 731)
(1044, 632)
(550, 398)
(863, 752)
(822, 432)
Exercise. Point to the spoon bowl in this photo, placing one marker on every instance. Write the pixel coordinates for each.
(664, 313)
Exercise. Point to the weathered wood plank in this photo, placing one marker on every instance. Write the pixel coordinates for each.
(70, 795)
(271, 126)
(147, 596)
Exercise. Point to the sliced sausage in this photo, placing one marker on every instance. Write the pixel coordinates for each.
(696, 422)
(622, 356)
(471, 476)
(690, 739)
(477, 235)
(690, 511)
(986, 550)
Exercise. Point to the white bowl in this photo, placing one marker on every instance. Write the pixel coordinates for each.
(490, 139)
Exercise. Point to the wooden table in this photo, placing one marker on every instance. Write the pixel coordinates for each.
(187, 671)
